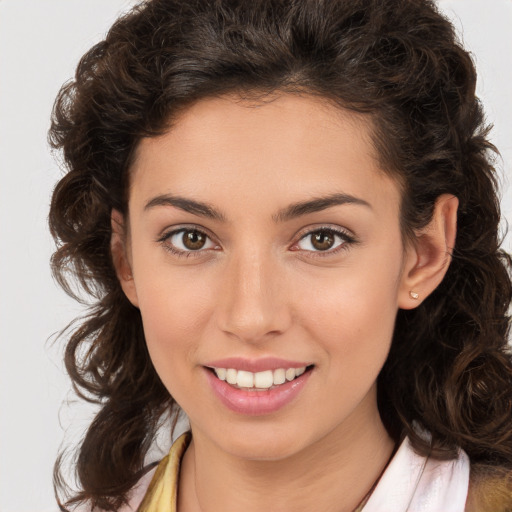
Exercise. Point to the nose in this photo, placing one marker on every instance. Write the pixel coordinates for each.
(252, 305)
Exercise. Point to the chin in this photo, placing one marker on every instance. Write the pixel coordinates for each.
(263, 443)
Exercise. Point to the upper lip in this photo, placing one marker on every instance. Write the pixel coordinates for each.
(255, 365)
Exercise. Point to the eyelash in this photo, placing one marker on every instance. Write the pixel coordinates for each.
(164, 239)
(347, 241)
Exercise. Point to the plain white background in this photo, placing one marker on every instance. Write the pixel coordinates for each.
(40, 44)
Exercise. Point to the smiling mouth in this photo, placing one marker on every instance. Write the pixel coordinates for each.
(260, 381)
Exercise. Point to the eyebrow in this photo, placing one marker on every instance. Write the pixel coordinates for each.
(317, 204)
(290, 212)
(187, 205)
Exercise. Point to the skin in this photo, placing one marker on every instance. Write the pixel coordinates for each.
(259, 287)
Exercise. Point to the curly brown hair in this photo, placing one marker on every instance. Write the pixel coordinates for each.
(397, 61)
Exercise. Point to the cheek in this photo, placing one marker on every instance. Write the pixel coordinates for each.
(171, 311)
(175, 307)
(172, 319)
(352, 310)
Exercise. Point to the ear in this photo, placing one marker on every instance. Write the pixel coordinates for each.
(427, 258)
(119, 248)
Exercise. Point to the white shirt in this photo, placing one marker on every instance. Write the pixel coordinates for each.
(414, 483)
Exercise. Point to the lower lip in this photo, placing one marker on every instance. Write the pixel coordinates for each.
(256, 402)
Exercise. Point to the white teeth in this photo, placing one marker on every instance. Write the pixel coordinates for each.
(231, 376)
(259, 380)
(221, 373)
(279, 376)
(264, 379)
(245, 379)
(290, 374)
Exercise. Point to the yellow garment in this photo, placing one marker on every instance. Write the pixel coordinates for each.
(490, 489)
(163, 489)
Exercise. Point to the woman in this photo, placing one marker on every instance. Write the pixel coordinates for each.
(287, 214)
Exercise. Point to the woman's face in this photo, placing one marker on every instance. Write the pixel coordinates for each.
(264, 239)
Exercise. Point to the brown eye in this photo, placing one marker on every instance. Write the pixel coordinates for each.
(322, 240)
(187, 241)
(193, 240)
(325, 240)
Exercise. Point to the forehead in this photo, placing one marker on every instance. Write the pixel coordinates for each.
(286, 119)
(287, 144)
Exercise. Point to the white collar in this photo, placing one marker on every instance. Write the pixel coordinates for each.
(413, 483)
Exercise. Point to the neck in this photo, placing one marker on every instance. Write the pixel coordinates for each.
(333, 475)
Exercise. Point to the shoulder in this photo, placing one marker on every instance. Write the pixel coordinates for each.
(159, 486)
(162, 474)
(416, 482)
(490, 489)
(138, 492)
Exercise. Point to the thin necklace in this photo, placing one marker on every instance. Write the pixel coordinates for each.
(361, 504)
(367, 496)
